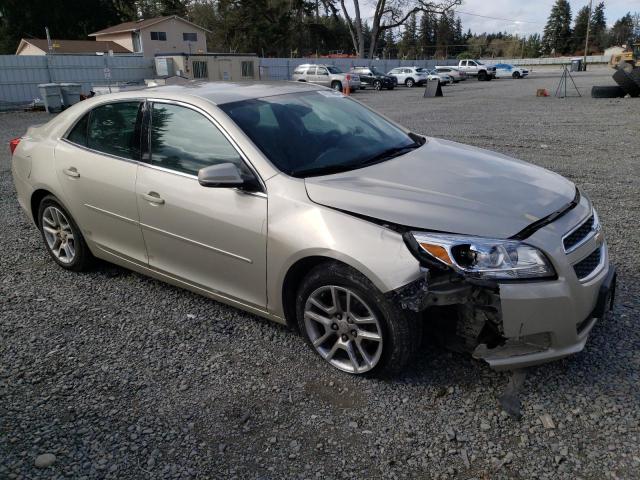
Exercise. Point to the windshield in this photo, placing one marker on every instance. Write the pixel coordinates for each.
(319, 132)
(334, 70)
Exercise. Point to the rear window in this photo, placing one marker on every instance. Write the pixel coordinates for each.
(114, 129)
(79, 133)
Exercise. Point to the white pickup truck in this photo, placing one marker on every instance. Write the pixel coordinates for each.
(475, 68)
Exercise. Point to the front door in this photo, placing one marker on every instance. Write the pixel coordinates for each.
(213, 238)
(97, 165)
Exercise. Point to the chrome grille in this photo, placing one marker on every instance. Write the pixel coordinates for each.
(585, 267)
(577, 236)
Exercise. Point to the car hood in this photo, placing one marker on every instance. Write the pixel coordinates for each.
(449, 187)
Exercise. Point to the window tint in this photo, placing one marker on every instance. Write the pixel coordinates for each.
(311, 71)
(186, 141)
(79, 133)
(162, 36)
(190, 37)
(322, 71)
(113, 129)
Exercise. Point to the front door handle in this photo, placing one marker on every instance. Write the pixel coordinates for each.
(153, 197)
(71, 172)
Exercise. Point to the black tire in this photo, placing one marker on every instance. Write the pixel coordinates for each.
(516, 75)
(401, 331)
(482, 76)
(82, 259)
(409, 82)
(336, 85)
(377, 85)
(628, 82)
(607, 92)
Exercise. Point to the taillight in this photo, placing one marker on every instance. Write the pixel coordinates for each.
(13, 144)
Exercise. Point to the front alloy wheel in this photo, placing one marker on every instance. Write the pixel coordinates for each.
(343, 329)
(352, 325)
(377, 85)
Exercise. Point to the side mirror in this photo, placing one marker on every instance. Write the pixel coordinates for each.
(221, 175)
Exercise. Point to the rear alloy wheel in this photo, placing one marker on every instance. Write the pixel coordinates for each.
(352, 325)
(409, 82)
(337, 86)
(377, 85)
(62, 236)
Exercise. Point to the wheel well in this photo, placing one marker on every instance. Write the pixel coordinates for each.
(333, 82)
(292, 280)
(410, 78)
(36, 198)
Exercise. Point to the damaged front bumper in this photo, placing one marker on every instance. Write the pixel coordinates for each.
(539, 333)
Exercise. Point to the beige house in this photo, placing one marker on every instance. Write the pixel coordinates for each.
(40, 46)
(161, 35)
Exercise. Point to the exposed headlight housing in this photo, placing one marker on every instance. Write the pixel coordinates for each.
(485, 258)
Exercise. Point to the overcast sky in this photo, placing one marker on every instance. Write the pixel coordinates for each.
(531, 15)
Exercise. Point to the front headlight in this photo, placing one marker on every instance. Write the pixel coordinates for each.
(485, 258)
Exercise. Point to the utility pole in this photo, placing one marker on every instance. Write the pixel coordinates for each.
(586, 40)
(46, 29)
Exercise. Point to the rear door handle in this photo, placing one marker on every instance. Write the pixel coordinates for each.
(71, 172)
(153, 197)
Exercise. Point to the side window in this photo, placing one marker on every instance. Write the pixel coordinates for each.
(472, 64)
(464, 63)
(114, 129)
(311, 71)
(79, 133)
(322, 71)
(299, 70)
(186, 141)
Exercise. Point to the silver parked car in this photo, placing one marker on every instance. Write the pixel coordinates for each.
(410, 76)
(305, 207)
(327, 76)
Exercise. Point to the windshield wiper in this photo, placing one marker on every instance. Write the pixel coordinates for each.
(379, 158)
(326, 170)
(389, 154)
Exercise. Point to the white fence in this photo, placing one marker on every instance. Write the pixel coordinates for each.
(20, 75)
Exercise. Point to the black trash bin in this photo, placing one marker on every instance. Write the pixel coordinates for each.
(576, 64)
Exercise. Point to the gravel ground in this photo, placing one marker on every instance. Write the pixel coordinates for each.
(115, 375)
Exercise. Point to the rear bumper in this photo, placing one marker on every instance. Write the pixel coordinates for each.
(564, 335)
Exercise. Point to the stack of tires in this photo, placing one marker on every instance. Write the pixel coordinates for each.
(628, 80)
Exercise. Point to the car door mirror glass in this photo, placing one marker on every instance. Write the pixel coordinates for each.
(221, 175)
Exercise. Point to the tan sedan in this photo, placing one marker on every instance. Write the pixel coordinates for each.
(303, 206)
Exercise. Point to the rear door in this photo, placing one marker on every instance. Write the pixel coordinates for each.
(323, 77)
(97, 164)
(213, 238)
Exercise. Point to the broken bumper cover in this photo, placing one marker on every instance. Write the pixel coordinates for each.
(550, 331)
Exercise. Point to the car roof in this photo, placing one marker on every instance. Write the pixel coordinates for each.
(220, 93)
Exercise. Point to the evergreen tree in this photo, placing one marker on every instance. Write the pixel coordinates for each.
(622, 31)
(598, 30)
(557, 32)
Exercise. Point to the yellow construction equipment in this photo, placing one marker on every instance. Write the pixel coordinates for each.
(628, 59)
